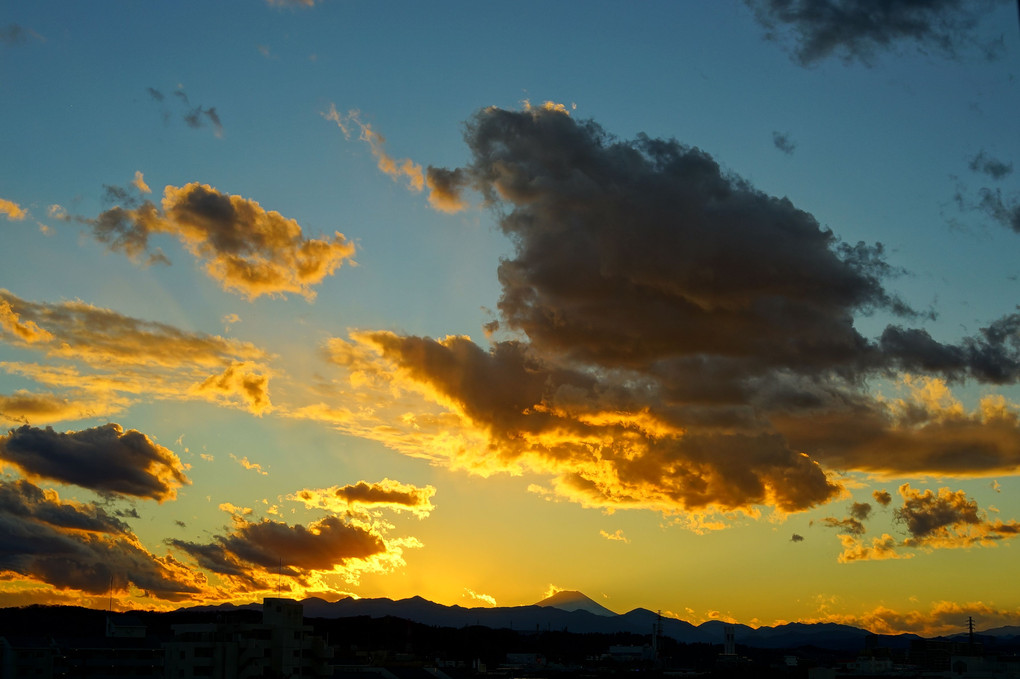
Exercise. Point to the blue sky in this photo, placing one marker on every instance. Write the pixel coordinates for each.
(247, 395)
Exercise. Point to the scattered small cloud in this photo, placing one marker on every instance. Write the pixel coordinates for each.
(796, 538)
(882, 497)
(386, 494)
(251, 466)
(12, 210)
(484, 598)
(193, 116)
(14, 34)
(291, 3)
(783, 142)
(616, 536)
(139, 183)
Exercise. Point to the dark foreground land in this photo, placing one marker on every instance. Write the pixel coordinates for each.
(393, 648)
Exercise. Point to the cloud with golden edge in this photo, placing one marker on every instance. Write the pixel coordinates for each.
(245, 248)
(483, 598)
(444, 185)
(139, 182)
(79, 547)
(250, 466)
(107, 358)
(12, 210)
(506, 411)
(27, 331)
(106, 459)
(26, 407)
(945, 519)
(944, 618)
(385, 494)
(616, 536)
(265, 555)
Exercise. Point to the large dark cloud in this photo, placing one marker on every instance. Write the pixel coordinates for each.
(81, 547)
(682, 339)
(106, 459)
(861, 29)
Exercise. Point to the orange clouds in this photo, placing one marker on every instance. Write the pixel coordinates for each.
(943, 618)
(247, 249)
(444, 185)
(108, 360)
(12, 210)
(506, 410)
(388, 494)
(254, 554)
(945, 519)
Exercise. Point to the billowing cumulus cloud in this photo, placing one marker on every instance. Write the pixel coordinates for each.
(860, 29)
(105, 459)
(948, 519)
(247, 249)
(679, 340)
(12, 210)
(387, 494)
(104, 358)
(945, 519)
(75, 546)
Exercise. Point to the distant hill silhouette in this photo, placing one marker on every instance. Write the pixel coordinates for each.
(570, 600)
(574, 612)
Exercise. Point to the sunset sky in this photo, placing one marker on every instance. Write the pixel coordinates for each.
(702, 307)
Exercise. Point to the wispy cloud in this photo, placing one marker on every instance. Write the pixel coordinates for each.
(112, 359)
(249, 465)
(194, 117)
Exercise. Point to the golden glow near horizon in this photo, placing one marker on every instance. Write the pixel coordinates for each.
(658, 348)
